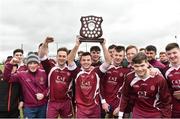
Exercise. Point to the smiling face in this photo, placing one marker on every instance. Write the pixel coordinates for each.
(141, 69)
(86, 62)
(118, 57)
(33, 66)
(130, 53)
(174, 56)
(61, 58)
(150, 55)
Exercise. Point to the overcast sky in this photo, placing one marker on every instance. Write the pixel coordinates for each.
(125, 22)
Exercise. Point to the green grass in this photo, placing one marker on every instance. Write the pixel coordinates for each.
(1, 67)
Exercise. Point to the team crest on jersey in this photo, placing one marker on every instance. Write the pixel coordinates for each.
(92, 76)
(68, 74)
(152, 88)
(121, 74)
(41, 80)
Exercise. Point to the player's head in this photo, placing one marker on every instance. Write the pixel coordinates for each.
(18, 53)
(32, 62)
(131, 50)
(140, 64)
(151, 52)
(111, 49)
(86, 60)
(95, 52)
(61, 57)
(163, 57)
(118, 55)
(173, 53)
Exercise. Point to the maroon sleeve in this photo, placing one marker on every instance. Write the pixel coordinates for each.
(7, 73)
(125, 94)
(47, 65)
(165, 98)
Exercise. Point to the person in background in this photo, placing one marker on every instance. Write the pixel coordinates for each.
(173, 77)
(142, 50)
(164, 59)
(77, 60)
(9, 96)
(95, 52)
(33, 82)
(151, 55)
(111, 49)
(152, 96)
(131, 51)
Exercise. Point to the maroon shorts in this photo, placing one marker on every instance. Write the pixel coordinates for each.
(64, 109)
(88, 112)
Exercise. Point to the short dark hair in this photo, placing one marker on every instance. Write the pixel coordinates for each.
(139, 58)
(63, 49)
(162, 53)
(120, 48)
(95, 48)
(18, 50)
(141, 49)
(151, 48)
(85, 54)
(111, 46)
(170, 46)
(130, 47)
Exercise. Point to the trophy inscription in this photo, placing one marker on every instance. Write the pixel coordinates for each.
(91, 30)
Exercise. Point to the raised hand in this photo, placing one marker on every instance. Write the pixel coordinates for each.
(14, 61)
(49, 40)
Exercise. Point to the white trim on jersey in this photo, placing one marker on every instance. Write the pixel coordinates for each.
(72, 66)
(43, 58)
(171, 69)
(156, 100)
(52, 69)
(136, 79)
(104, 67)
(97, 86)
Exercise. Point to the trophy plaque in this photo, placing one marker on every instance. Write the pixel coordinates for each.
(91, 29)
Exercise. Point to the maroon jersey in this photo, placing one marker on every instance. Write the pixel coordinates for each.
(112, 83)
(152, 97)
(59, 81)
(87, 91)
(87, 87)
(173, 79)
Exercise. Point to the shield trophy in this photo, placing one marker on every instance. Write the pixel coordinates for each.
(91, 30)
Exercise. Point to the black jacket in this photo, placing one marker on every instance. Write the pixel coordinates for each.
(9, 95)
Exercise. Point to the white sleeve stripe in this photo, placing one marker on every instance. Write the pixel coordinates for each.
(104, 67)
(43, 58)
(72, 66)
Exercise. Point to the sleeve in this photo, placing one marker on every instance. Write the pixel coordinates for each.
(47, 65)
(124, 98)
(7, 75)
(104, 67)
(165, 98)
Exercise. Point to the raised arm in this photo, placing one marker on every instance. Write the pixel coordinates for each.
(107, 56)
(43, 50)
(73, 52)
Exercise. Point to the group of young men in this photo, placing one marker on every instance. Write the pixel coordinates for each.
(127, 84)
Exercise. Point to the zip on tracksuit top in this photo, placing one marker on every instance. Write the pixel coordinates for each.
(31, 83)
